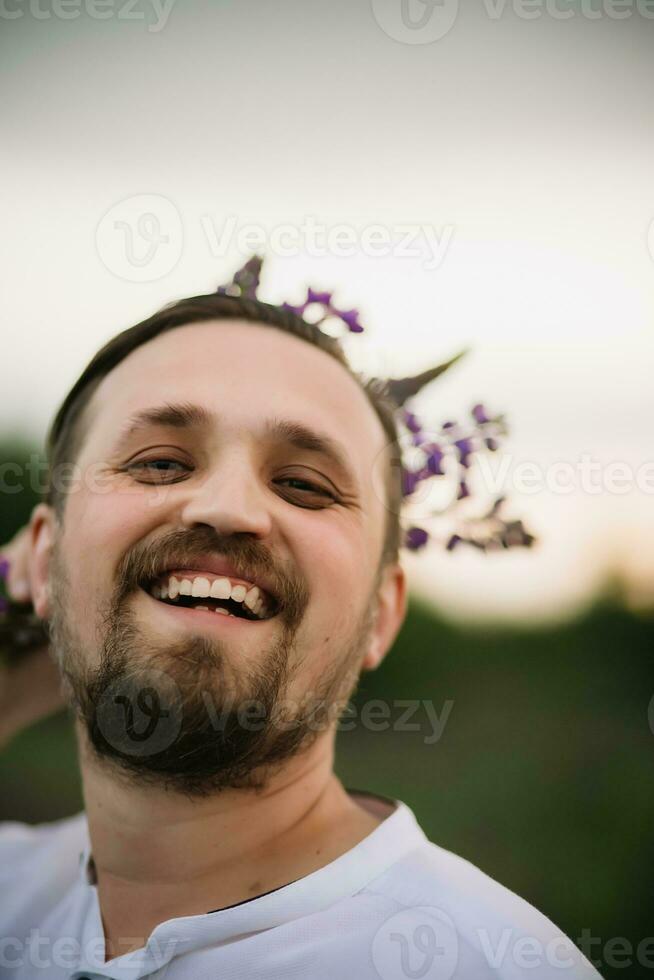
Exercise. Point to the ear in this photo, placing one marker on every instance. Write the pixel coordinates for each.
(391, 610)
(42, 528)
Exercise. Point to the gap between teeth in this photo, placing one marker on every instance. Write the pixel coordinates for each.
(218, 609)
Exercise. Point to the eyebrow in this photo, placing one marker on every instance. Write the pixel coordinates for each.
(185, 415)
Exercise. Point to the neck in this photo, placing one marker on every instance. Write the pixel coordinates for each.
(159, 855)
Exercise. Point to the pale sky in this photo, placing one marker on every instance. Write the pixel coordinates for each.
(516, 154)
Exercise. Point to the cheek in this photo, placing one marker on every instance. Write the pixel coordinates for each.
(337, 572)
(100, 529)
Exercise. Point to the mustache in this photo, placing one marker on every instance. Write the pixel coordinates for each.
(143, 563)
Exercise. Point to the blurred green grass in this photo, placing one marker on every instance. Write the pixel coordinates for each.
(542, 775)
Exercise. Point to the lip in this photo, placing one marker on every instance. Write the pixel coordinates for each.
(198, 617)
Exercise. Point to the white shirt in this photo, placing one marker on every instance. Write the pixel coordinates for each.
(395, 906)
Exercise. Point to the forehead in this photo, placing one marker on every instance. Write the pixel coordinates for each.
(244, 373)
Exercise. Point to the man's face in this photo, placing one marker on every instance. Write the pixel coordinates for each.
(162, 689)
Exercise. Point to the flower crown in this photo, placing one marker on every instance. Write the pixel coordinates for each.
(445, 452)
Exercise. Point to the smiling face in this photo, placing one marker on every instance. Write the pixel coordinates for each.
(221, 458)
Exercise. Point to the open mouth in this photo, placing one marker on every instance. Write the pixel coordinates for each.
(213, 593)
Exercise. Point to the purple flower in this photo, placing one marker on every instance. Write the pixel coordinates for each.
(4, 567)
(453, 542)
(464, 447)
(299, 310)
(411, 422)
(463, 491)
(351, 318)
(448, 425)
(410, 481)
(313, 296)
(479, 414)
(435, 460)
(415, 538)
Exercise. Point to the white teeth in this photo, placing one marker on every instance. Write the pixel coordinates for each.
(251, 598)
(221, 588)
(204, 608)
(200, 588)
(223, 612)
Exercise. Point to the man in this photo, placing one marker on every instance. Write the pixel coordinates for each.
(223, 462)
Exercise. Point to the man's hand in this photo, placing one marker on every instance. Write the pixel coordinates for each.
(30, 687)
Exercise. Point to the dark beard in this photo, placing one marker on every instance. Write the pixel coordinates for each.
(182, 717)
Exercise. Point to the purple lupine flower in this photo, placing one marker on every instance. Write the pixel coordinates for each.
(351, 319)
(480, 414)
(313, 296)
(4, 567)
(299, 310)
(411, 422)
(435, 458)
(463, 491)
(415, 538)
(464, 447)
(448, 425)
(453, 542)
(410, 481)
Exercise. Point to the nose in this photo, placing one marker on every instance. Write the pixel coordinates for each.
(231, 499)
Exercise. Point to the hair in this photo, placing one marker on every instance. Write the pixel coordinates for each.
(70, 425)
